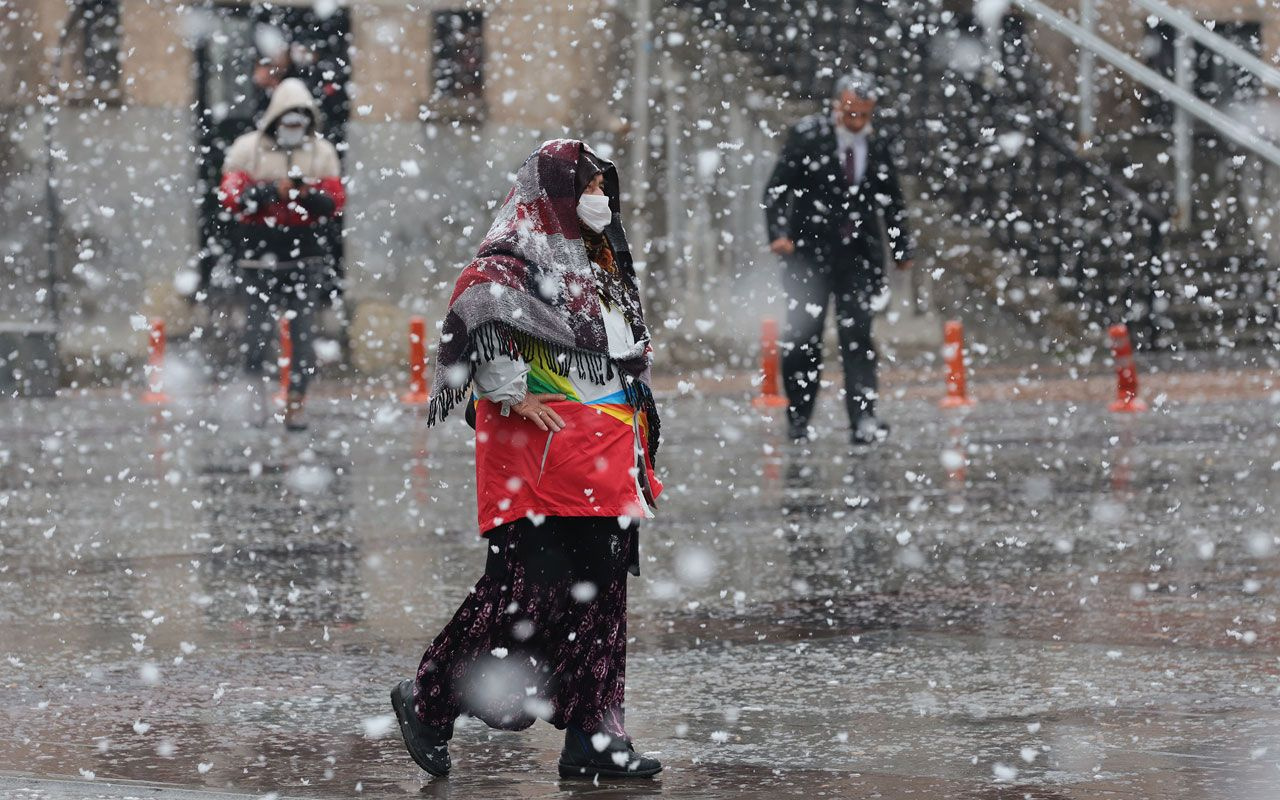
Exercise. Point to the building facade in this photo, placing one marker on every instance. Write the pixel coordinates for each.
(440, 102)
(435, 103)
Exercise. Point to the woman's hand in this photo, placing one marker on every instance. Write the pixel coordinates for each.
(534, 408)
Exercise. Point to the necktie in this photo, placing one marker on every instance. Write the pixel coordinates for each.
(847, 227)
(851, 166)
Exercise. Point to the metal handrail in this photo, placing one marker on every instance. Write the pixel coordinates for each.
(1121, 209)
(1048, 134)
(1214, 41)
(1239, 133)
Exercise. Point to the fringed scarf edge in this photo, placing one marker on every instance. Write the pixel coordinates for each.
(492, 339)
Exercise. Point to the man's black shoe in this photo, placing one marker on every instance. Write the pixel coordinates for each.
(587, 755)
(869, 431)
(798, 433)
(428, 744)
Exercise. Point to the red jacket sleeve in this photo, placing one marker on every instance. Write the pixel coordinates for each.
(336, 191)
(231, 191)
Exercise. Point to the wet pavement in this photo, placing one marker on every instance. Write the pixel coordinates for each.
(1034, 598)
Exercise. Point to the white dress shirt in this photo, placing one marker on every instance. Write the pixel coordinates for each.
(848, 140)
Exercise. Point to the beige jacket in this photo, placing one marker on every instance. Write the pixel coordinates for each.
(257, 154)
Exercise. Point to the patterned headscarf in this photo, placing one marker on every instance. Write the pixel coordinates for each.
(532, 291)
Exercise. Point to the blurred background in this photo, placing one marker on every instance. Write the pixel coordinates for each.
(1041, 589)
(1055, 180)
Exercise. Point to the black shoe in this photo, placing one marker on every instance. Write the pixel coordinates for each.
(798, 432)
(428, 744)
(294, 415)
(580, 757)
(869, 430)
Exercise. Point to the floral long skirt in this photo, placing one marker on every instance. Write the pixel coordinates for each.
(543, 635)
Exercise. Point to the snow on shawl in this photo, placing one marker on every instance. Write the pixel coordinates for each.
(531, 291)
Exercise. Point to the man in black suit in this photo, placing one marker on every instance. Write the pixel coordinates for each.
(832, 204)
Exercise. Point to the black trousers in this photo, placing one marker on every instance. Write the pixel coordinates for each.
(810, 288)
(271, 295)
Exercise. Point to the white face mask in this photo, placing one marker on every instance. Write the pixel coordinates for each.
(292, 129)
(593, 209)
(290, 136)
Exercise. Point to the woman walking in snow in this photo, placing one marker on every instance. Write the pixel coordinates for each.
(546, 324)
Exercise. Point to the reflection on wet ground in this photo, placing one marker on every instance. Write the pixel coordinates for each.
(1028, 600)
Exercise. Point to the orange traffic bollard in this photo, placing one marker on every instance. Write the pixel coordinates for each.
(155, 394)
(1126, 372)
(285, 361)
(417, 394)
(770, 396)
(953, 354)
